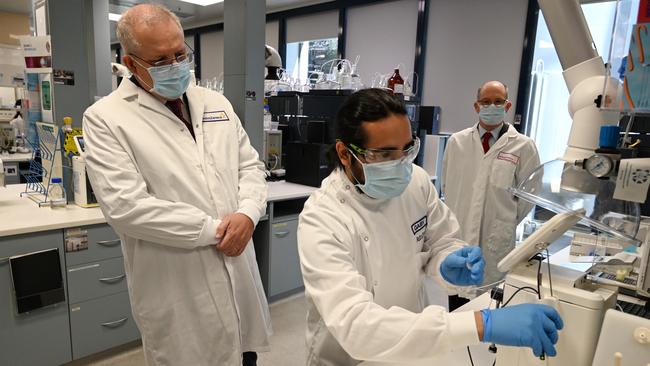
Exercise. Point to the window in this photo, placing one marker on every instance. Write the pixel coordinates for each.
(548, 118)
(305, 57)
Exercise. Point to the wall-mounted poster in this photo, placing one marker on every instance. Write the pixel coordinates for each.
(38, 54)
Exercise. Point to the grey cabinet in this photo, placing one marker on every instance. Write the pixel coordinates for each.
(276, 248)
(284, 273)
(99, 324)
(103, 243)
(100, 311)
(93, 280)
(41, 337)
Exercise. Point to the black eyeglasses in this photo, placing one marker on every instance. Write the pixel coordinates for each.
(187, 55)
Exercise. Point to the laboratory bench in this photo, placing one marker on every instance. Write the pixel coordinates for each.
(13, 165)
(96, 314)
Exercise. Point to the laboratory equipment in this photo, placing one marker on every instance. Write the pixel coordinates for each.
(307, 163)
(7, 139)
(273, 62)
(84, 195)
(273, 149)
(2, 174)
(396, 83)
(37, 280)
(56, 194)
(625, 334)
(552, 230)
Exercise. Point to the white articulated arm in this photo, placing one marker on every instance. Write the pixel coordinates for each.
(584, 74)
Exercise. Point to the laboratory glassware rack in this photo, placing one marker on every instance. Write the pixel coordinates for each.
(48, 148)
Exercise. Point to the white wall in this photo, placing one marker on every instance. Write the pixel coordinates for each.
(12, 64)
(310, 27)
(383, 34)
(470, 42)
(212, 50)
(272, 34)
(211, 55)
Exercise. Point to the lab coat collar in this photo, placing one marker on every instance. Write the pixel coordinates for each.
(129, 90)
(510, 133)
(195, 98)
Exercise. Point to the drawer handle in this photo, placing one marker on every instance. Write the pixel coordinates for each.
(112, 279)
(109, 243)
(281, 234)
(115, 324)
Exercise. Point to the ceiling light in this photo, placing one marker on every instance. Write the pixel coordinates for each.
(114, 17)
(202, 2)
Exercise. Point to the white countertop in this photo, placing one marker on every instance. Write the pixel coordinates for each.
(13, 158)
(21, 215)
(281, 190)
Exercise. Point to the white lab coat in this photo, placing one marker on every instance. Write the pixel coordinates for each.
(363, 262)
(18, 124)
(164, 194)
(475, 185)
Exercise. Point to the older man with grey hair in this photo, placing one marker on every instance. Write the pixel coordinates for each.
(177, 178)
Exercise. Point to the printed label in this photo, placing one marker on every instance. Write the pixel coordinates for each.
(215, 116)
(633, 180)
(508, 157)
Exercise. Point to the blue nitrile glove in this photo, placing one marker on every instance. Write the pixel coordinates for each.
(463, 267)
(525, 325)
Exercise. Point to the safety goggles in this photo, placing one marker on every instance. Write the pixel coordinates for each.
(381, 155)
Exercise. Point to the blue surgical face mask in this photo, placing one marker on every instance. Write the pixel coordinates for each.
(492, 115)
(387, 179)
(170, 81)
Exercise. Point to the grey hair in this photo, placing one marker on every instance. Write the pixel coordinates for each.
(480, 89)
(150, 14)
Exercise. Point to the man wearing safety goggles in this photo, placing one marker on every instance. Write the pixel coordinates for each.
(177, 178)
(367, 239)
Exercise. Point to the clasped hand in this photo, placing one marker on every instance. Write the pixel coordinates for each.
(234, 233)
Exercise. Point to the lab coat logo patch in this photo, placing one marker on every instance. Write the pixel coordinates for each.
(419, 225)
(215, 116)
(508, 157)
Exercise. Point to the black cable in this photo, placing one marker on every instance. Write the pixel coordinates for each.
(539, 278)
(516, 292)
(470, 356)
(494, 363)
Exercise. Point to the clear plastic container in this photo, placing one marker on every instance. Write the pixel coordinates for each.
(56, 194)
(267, 118)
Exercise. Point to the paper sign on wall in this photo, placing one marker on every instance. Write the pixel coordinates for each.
(37, 52)
(633, 180)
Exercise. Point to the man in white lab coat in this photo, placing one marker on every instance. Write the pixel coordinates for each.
(178, 180)
(369, 236)
(479, 164)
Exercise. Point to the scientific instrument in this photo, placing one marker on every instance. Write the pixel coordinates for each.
(84, 196)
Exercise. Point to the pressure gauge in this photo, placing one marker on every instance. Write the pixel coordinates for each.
(599, 165)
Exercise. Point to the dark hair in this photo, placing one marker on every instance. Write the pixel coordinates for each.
(366, 105)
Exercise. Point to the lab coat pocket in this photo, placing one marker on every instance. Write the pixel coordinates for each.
(188, 332)
(502, 174)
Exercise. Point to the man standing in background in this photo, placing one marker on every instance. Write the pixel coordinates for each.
(479, 165)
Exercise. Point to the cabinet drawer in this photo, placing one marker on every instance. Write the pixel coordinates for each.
(100, 324)
(103, 243)
(93, 280)
(284, 271)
